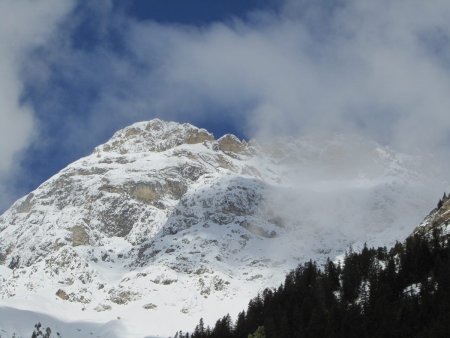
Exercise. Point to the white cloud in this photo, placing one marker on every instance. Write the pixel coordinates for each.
(376, 68)
(369, 67)
(24, 24)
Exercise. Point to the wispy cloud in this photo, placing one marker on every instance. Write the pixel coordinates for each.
(24, 25)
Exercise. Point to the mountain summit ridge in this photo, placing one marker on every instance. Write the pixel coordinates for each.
(154, 135)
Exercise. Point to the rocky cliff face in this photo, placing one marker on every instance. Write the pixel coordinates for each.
(437, 220)
(164, 221)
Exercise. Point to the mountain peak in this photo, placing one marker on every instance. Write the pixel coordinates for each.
(154, 135)
(163, 221)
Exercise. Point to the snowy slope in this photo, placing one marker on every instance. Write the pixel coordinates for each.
(163, 224)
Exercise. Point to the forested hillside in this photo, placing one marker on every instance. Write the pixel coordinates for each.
(400, 292)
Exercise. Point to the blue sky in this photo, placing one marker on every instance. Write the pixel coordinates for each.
(193, 12)
(76, 71)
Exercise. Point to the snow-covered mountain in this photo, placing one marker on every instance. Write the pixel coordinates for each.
(164, 224)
